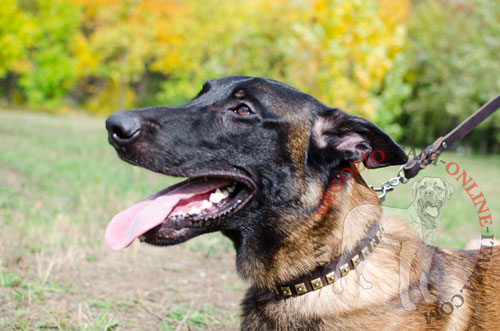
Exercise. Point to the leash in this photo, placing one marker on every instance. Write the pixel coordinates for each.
(428, 155)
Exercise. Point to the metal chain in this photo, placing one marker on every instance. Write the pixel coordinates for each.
(389, 184)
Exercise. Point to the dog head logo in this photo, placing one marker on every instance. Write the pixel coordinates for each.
(430, 195)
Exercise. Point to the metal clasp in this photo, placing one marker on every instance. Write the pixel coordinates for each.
(389, 184)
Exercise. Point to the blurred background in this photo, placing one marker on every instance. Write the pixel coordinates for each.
(416, 68)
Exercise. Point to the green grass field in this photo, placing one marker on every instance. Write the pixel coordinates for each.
(60, 184)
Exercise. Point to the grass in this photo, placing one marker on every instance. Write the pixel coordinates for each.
(60, 183)
(459, 218)
(201, 318)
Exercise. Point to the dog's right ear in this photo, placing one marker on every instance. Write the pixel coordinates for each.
(338, 136)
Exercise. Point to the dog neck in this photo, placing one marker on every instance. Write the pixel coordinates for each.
(336, 269)
(316, 242)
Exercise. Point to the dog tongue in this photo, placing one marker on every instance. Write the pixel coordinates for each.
(145, 215)
(432, 211)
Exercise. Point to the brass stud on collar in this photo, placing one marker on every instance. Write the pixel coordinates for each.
(286, 291)
(355, 260)
(331, 277)
(316, 283)
(344, 269)
(365, 252)
(301, 288)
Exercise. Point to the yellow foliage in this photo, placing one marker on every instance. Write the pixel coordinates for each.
(88, 59)
(337, 50)
(358, 41)
(125, 39)
(16, 35)
(115, 90)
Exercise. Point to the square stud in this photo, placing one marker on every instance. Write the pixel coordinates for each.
(355, 260)
(331, 277)
(286, 291)
(365, 252)
(316, 283)
(275, 291)
(344, 269)
(379, 235)
(300, 288)
(373, 244)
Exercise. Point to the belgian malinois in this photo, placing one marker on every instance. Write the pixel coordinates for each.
(277, 172)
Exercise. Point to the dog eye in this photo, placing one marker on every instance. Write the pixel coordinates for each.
(242, 110)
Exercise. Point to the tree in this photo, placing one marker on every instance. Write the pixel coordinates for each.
(337, 50)
(16, 36)
(453, 68)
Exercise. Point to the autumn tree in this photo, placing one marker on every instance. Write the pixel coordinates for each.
(51, 70)
(452, 67)
(16, 36)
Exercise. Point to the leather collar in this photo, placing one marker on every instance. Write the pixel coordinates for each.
(339, 267)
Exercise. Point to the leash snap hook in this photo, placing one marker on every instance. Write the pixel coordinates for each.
(401, 175)
(389, 184)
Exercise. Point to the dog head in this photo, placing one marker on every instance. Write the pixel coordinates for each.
(257, 154)
(430, 194)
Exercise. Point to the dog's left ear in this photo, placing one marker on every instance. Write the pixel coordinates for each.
(338, 136)
(450, 189)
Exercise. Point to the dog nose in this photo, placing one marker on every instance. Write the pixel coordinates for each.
(124, 127)
(429, 193)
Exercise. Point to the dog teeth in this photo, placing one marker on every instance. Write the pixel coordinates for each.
(194, 210)
(231, 188)
(206, 204)
(177, 217)
(218, 196)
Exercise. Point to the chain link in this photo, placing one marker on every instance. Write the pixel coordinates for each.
(389, 184)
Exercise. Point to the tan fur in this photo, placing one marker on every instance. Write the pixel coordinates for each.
(298, 138)
(346, 305)
(297, 253)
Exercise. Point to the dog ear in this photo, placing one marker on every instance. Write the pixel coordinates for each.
(414, 187)
(338, 136)
(450, 189)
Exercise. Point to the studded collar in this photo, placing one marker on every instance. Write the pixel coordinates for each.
(339, 267)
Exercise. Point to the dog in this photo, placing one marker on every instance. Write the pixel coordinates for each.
(424, 213)
(275, 170)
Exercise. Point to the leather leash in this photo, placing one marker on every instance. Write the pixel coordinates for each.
(425, 157)
(428, 155)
